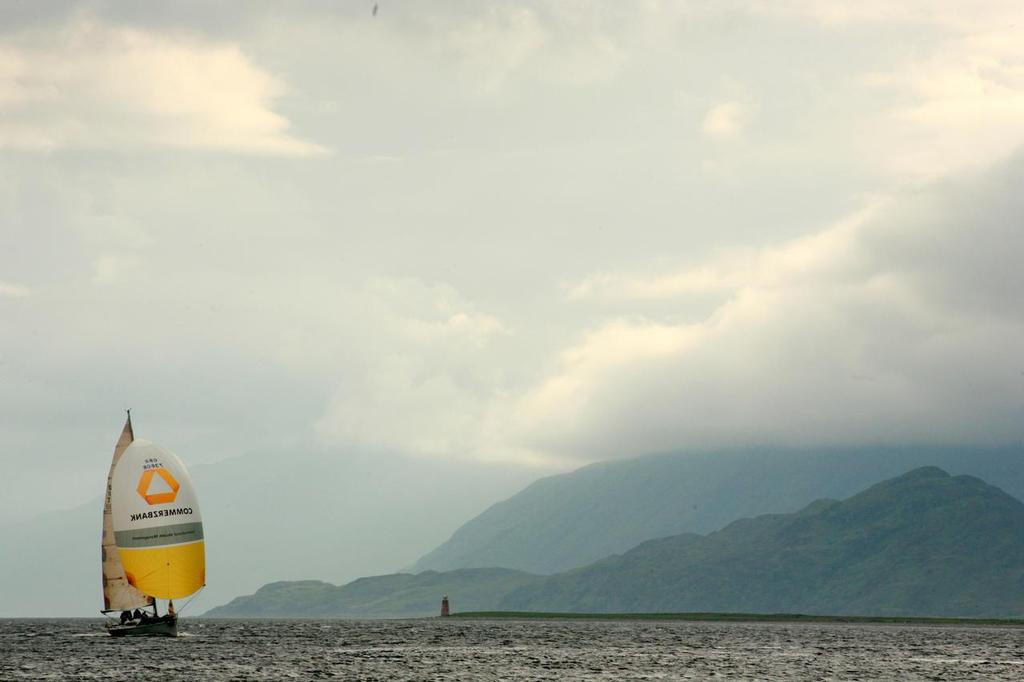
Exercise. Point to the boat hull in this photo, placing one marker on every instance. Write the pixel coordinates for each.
(165, 627)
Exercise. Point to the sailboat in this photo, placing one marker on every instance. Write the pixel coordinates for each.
(152, 546)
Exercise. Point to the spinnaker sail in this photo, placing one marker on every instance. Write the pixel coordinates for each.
(158, 529)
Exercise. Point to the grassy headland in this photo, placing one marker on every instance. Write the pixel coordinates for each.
(739, 617)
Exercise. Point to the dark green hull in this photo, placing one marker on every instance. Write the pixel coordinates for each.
(167, 626)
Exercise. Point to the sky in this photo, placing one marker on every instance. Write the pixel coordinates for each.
(527, 234)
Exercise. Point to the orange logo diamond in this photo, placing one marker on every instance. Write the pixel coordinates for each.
(157, 498)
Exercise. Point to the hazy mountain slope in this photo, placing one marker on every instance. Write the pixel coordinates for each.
(565, 521)
(267, 517)
(924, 543)
(398, 595)
(921, 544)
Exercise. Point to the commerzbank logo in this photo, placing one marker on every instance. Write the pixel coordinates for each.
(157, 486)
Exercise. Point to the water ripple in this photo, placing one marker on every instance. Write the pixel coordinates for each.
(501, 650)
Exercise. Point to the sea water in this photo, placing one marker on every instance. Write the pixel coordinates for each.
(436, 649)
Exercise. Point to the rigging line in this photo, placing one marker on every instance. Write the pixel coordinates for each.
(196, 594)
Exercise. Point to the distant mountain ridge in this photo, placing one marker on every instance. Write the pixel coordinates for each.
(922, 544)
(387, 596)
(562, 522)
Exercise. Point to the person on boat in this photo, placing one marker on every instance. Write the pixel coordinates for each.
(125, 617)
(170, 607)
(137, 615)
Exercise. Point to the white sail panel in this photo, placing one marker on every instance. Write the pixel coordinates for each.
(117, 593)
(157, 525)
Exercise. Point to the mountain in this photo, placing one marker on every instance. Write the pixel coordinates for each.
(925, 543)
(570, 520)
(398, 595)
(267, 516)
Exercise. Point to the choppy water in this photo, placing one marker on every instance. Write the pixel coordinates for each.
(493, 650)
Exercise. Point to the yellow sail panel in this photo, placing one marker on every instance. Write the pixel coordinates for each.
(166, 572)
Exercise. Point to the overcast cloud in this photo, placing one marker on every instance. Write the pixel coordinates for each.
(534, 233)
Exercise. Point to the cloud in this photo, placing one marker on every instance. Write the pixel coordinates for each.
(109, 268)
(724, 121)
(11, 290)
(608, 287)
(837, 13)
(897, 325)
(96, 86)
(498, 43)
(574, 44)
(821, 254)
(414, 305)
(951, 102)
(429, 383)
(961, 107)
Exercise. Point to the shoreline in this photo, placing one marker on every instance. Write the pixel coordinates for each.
(741, 618)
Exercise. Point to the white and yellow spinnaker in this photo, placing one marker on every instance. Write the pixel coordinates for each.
(157, 526)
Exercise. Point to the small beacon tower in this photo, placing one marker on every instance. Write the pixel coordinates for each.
(444, 606)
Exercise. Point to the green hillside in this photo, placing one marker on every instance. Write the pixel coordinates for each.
(386, 596)
(570, 520)
(924, 543)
